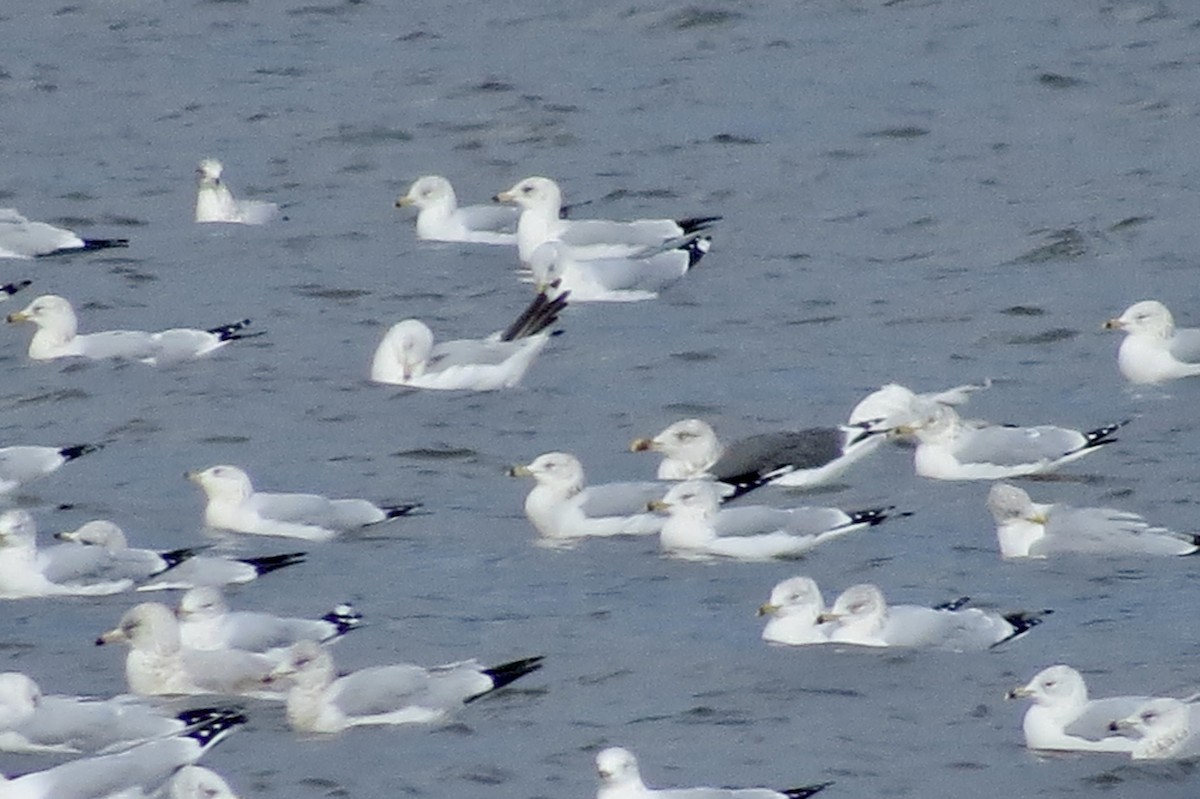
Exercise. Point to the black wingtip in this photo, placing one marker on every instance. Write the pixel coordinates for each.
(693, 224)
(79, 450)
(1023, 621)
(871, 516)
(203, 715)
(954, 604)
(405, 509)
(103, 244)
(344, 618)
(177, 556)
(270, 563)
(233, 331)
(10, 289)
(211, 730)
(806, 791)
(541, 313)
(1103, 435)
(509, 672)
(696, 249)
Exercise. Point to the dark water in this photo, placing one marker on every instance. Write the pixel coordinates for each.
(928, 192)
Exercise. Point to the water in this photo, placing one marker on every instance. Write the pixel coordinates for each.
(928, 192)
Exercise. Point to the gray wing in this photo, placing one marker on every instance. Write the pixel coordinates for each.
(472, 352)
(717, 793)
(1107, 531)
(25, 239)
(227, 671)
(202, 570)
(1185, 346)
(762, 454)
(70, 563)
(498, 218)
(620, 499)
(636, 274)
(132, 344)
(182, 343)
(299, 508)
(381, 689)
(87, 726)
(756, 519)
(21, 464)
(1012, 446)
(260, 632)
(1093, 722)
(147, 766)
(959, 630)
(640, 233)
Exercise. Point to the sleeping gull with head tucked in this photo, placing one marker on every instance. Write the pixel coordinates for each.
(215, 202)
(197, 782)
(20, 238)
(26, 572)
(793, 610)
(1063, 718)
(1154, 350)
(620, 779)
(22, 464)
(440, 218)
(1026, 529)
(320, 701)
(639, 276)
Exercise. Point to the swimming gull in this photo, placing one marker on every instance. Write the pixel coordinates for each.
(26, 572)
(234, 505)
(403, 693)
(638, 277)
(206, 622)
(159, 665)
(893, 405)
(198, 782)
(215, 202)
(441, 219)
(863, 617)
(798, 458)
(562, 507)
(20, 238)
(76, 559)
(540, 201)
(22, 464)
(620, 779)
(57, 337)
(407, 355)
(199, 569)
(1026, 529)
(948, 449)
(793, 610)
(1063, 718)
(698, 527)
(136, 772)
(1163, 730)
(1154, 350)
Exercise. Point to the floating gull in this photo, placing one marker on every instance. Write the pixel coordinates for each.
(206, 622)
(1062, 717)
(197, 782)
(319, 701)
(1163, 729)
(864, 618)
(131, 774)
(407, 355)
(793, 612)
(26, 572)
(798, 458)
(562, 508)
(620, 779)
(541, 220)
(56, 337)
(1026, 529)
(20, 238)
(893, 405)
(440, 218)
(20, 465)
(697, 526)
(638, 277)
(1155, 350)
(948, 449)
(234, 505)
(215, 202)
(159, 665)
(77, 559)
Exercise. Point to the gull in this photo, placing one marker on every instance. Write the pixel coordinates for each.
(215, 202)
(797, 458)
(793, 612)
(697, 527)
(9, 289)
(159, 665)
(1163, 729)
(1154, 350)
(540, 201)
(1063, 718)
(78, 560)
(1026, 529)
(206, 622)
(196, 570)
(620, 779)
(407, 355)
(26, 572)
(57, 337)
(403, 693)
(136, 772)
(441, 219)
(562, 507)
(948, 449)
(197, 782)
(639, 276)
(234, 505)
(22, 464)
(893, 405)
(864, 618)
(20, 238)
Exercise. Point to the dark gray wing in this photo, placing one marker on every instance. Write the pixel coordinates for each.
(758, 458)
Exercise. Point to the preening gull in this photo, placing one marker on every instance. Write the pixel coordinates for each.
(638, 277)
(798, 458)
(131, 774)
(407, 355)
(20, 238)
(26, 572)
(793, 612)
(863, 617)
(948, 449)
(441, 219)
(1026, 529)
(234, 505)
(57, 337)
(893, 405)
(1164, 730)
(562, 507)
(1154, 350)
(403, 693)
(1062, 717)
(22, 464)
(159, 665)
(540, 201)
(697, 527)
(167, 571)
(620, 779)
(215, 202)
(206, 622)
(197, 782)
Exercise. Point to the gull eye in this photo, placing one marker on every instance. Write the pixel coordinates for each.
(527, 190)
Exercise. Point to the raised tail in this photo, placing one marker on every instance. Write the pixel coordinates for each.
(872, 516)
(506, 673)
(78, 451)
(1103, 435)
(233, 331)
(9, 289)
(270, 563)
(540, 314)
(1022, 622)
(344, 618)
(805, 791)
(103, 244)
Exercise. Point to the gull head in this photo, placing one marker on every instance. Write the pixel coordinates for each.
(428, 192)
(50, 312)
(558, 470)
(201, 603)
(197, 782)
(307, 665)
(794, 596)
(17, 529)
(150, 626)
(936, 424)
(861, 604)
(1055, 686)
(19, 699)
(406, 346)
(98, 533)
(541, 194)
(1009, 503)
(692, 499)
(223, 483)
(617, 766)
(1160, 724)
(209, 171)
(888, 407)
(1148, 318)
(690, 440)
